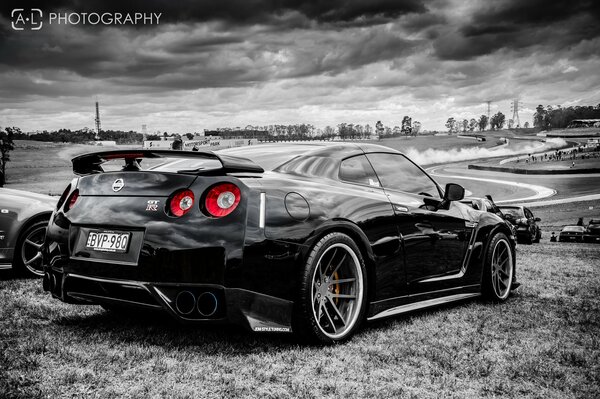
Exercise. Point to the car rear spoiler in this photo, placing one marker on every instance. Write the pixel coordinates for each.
(88, 164)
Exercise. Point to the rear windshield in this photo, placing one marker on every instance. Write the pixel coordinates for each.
(176, 164)
(512, 212)
(573, 228)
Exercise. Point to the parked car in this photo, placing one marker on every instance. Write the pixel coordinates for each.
(592, 231)
(306, 238)
(522, 218)
(23, 220)
(571, 233)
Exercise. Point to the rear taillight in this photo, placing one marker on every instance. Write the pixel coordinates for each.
(181, 202)
(63, 197)
(70, 203)
(222, 199)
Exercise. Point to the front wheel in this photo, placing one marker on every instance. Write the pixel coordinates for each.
(333, 295)
(499, 268)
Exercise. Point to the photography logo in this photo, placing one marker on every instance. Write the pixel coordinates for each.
(27, 19)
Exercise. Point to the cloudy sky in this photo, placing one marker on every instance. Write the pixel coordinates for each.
(225, 63)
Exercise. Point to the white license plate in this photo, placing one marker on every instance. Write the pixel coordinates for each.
(108, 241)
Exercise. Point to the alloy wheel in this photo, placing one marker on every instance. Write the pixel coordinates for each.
(31, 250)
(337, 290)
(502, 269)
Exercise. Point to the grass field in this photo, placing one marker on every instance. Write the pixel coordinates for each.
(543, 342)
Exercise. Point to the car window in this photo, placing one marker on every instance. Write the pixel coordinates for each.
(397, 172)
(357, 169)
(513, 212)
(528, 214)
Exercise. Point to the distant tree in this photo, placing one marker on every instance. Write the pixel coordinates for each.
(328, 132)
(472, 124)
(407, 126)
(526, 125)
(387, 131)
(510, 123)
(465, 125)
(416, 128)
(190, 136)
(379, 129)
(6, 146)
(483, 121)
(540, 118)
(451, 124)
(497, 121)
(368, 131)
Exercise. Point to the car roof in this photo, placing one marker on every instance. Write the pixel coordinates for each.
(271, 155)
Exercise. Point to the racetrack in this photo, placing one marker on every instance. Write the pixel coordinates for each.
(509, 187)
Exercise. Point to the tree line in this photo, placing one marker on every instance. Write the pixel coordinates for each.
(560, 117)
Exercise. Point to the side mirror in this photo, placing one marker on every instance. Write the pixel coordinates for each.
(537, 219)
(454, 192)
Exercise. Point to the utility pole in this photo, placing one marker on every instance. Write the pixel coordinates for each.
(489, 103)
(97, 120)
(515, 108)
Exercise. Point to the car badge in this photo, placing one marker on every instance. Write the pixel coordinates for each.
(118, 185)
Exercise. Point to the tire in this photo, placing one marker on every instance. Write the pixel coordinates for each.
(498, 269)
(538, 236)
(332, 298)
(28, 257)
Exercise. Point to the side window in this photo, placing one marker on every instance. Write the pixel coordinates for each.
(358, 170)
(528, 213)
(397, 172)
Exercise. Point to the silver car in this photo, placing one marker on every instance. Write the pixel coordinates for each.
(23, 221)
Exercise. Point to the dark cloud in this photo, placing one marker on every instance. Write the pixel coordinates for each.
(238, 11)
(517, 24)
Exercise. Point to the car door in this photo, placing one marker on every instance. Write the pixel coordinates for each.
(434, 240)
(380, 228)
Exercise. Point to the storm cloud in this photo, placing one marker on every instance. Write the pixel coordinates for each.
(227, 63)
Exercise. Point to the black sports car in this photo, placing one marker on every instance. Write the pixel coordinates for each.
(592, 231)
(525, 223)
(23, 220)
(310, 238)
(571, 233)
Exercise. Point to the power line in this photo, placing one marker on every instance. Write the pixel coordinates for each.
(97, 120)
(515, 107)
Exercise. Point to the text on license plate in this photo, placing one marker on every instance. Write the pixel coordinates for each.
(108, 241)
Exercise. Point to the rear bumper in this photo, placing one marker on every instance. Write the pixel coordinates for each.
(187, 303)
(591, 238)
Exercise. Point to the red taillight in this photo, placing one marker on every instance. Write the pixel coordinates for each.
(181, 202)
(222, 199)
(63, 197)
(70, 203)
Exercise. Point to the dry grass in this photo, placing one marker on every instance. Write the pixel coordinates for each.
(544, 342)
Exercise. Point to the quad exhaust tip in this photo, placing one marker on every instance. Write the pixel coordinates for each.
(206, 304)
(185, 302)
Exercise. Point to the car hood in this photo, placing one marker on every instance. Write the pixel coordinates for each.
(20, 195)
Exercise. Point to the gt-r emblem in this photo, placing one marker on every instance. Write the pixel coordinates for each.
(152, 205)
(118, 185)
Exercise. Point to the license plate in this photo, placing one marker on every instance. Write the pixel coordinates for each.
(108, 241)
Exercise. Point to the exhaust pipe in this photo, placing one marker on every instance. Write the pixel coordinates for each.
(185, 302)
(207, 304)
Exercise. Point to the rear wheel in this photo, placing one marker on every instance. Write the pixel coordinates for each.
(498, 269)
(28, 252)
(332, 297)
